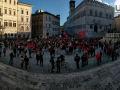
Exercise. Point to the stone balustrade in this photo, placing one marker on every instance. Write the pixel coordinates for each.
(104, 77)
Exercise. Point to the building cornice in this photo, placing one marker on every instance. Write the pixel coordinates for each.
(44, 13)
(24, 4)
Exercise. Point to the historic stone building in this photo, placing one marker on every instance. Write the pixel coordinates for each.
(24, 19)
(89, 15)
(117, 23)
(10, 15)
(45, 24)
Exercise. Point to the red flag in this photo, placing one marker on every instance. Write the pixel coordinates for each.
(26, 47)
(65, 34)
(81, 34)
(55, 49)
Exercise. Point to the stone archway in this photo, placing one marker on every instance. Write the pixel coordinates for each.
(0, 35)
(95, 28)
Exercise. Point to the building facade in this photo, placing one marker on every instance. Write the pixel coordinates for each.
(9, 15)
(45, 24)
(89, 15)
(24, 20)
(117, 23)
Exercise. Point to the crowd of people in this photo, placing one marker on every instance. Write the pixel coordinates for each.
(68, 46)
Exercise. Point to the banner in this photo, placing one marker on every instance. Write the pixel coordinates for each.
(65, 34)
(81, 34)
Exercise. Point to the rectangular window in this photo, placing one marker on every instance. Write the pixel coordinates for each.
(0, 10)
(27, 12)
(14, 13)
(40, 27)
(10, 24)
(5, 23)
(22, 19)
(5, 11)
(40, 20)
(14, 24)
(49, 25)
(46, 25)
(10, 1)
(10, 12)
(14, 2)
(21, 11)
(91, 26)
(0, 23)
(26, 19)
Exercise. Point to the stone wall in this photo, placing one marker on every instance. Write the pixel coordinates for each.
(105, 77)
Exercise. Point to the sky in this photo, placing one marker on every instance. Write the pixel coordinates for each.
(60, 7)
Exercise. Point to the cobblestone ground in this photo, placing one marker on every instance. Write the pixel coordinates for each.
(47, 66)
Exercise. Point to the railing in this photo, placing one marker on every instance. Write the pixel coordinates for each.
(2, 27)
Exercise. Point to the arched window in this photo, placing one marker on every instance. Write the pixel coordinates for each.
(100, 14)
(106, 15)
(27, 28)
(96, 13)
(22, 28)
(91, 12)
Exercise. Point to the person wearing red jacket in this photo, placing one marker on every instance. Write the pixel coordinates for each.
(98, 58)
(36, 51)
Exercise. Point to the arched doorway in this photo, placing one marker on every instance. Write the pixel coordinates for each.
(95, 28)
(0, 35)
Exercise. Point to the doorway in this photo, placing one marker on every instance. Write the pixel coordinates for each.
(95, 28)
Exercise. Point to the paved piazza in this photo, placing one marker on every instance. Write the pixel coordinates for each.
(46, 68)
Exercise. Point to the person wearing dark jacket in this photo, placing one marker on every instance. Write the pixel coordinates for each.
(58, 64)
(37, 58)
(26, 61)
(83, 60)
(14, 51)
(62, 58)
(11, 58)
(77, 60)
(41, 58)
(100, 56)
(52, 64)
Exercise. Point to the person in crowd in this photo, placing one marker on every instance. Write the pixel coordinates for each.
(98, 58)
(21, 61)
(116, 53)
(41, 58)
(0, 49)
(36, 50)
(83, 58)
(52, 64)
(37, 58)
(77, 60)
(11, 58)
(4, 51)
(26, 61)
(14, 51)
(30, 51)
(58, 64)
(62, 58)
(87, 56)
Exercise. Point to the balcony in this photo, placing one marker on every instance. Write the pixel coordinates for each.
(2, 27)
(1, 14)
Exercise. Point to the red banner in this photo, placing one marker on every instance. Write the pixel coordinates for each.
(81, 34)
(65, 34)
